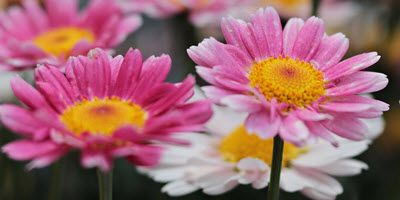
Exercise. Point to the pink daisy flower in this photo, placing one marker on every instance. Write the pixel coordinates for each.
(201, 12)
(290, 81)
(31, 35)
(105, 107)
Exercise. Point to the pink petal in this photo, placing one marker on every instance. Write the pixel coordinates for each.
(48, 159)
(62, 12)
(128, 74)
(308, 39)
(155, 70)
(21, 120)
(317, 129)
(351, 65)
(331, 51)
(54, 77)
(27, 94)
(347, 126)
(27, 149)
(242, 103)
(146, 155)
(215, 93)
(290, 32)
(263, 124)
(294, 130)
(186, 87)
(237, 33)
(268, 31)
(359, 83)
(90, 158)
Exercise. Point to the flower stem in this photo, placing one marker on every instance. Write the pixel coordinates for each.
(315, 5)
(105, 184)
(273, 188)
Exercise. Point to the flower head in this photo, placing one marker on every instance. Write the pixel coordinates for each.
(31, 35)
(105, 107)
(229, 156)
(201, 12)
(290, 81)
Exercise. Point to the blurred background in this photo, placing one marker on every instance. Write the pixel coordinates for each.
(371, 25)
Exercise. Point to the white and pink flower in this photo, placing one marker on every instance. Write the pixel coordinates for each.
(291, 81)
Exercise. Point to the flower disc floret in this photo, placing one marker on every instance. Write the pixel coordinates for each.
(103, 117)
(288, 81)
(60, 41)
(240, 144)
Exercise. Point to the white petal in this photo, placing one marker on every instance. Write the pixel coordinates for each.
(321, 154)
(5, 87)
(317, 195)
(299, 179)
(345, 167)
(375, 127)
(252, 164)
(179, 188)
(220, 189)
(262, 182)
(225, 121)
(216, 178)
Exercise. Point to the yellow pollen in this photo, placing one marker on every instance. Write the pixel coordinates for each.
(288, 81)
(60, 41)
(103, 117)
(239, 144)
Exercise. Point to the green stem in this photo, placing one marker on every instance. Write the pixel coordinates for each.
(55, 182)
(315, 5)
(105, 184)
(276, 166)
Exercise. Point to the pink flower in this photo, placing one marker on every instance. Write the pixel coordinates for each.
(31, 35)
(201, 12)
(290, 81)
(105, 107)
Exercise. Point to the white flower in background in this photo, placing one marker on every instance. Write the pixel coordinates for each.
(6, 94)
(227, 156)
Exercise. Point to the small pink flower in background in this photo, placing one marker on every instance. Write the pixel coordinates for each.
(31, 35)
(105, 107)
(201, 12)
(290, 81)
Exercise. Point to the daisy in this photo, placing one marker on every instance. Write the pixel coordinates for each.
(201, 12)
(290, 81)
(31, 35)
(228, 156)
(104, 107)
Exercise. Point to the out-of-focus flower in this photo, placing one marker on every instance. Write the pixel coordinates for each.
(229, 156)
(201, 12)
(290, 81)
(31, 35)
(6, 3)
(105, 107)
(6, 93)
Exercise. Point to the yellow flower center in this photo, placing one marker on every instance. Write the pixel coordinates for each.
(288, 81)
(60, 41)
(102, 117)
(239, 144)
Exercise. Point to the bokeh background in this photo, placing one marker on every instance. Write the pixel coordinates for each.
(372, 25)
